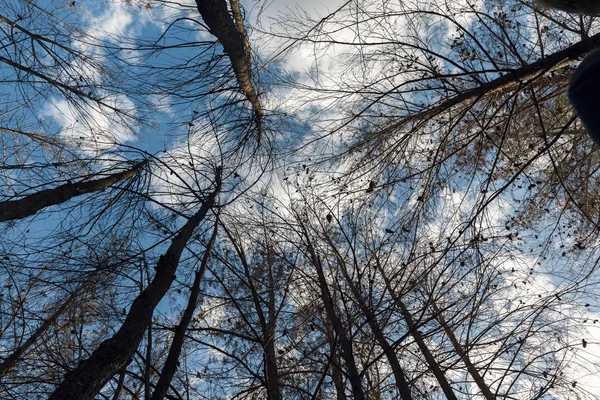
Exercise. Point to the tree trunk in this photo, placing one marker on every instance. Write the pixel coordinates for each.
(29, 205)
(91, 375)
(267, 324)
(416, 335)
(431, 361)
(235, 43)
(558, 60)
(148, 363)
(272, 372)
(388, 350)
(170, 366)
(336, 372)
(485, 389)
(338, 327)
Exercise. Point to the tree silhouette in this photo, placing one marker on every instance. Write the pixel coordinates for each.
(218, 200)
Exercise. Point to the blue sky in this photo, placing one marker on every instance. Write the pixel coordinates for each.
(132, 99)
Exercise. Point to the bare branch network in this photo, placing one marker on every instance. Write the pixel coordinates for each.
(252, 200)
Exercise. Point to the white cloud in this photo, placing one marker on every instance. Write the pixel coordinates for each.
(94, 128)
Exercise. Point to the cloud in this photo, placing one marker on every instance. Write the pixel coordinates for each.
(94, 128)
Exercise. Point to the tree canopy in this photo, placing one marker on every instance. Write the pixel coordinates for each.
(276, 200)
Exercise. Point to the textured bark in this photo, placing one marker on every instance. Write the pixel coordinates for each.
(338, 327)
(464, 355)
(235, 43)
(91, 375)
(170, 366)
(29, 205)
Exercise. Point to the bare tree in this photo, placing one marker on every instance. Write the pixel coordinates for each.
(389, 200)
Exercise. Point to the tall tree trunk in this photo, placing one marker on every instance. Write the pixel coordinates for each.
(267, 323)
(464, 355)
(148, 363)
(91, 375)
(170, 366)
(232, 36)
(336, 372)
(29, 205)
(416, 335)
(272, 372)
(431, 361)
(338, 327)
(391, 356)
(388, 350)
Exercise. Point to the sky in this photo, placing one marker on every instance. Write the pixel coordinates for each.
(156, 122)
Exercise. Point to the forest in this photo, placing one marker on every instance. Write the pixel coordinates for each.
(345, 199)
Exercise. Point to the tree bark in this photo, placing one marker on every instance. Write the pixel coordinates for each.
(29, 205)
(336, 373)
(91, 375)
(170, 366)
(416, 335)
(148, 363)
(272, 372)
(235, 43)
(268, 324)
